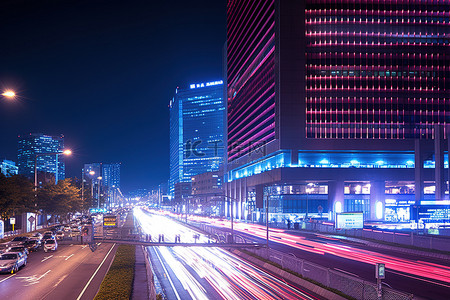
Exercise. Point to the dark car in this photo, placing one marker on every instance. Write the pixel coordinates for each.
(18, 240)
(32, 245)
(21, 249)
(48, 236)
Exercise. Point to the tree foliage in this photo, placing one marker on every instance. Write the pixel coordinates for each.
(60, 199)
(16, 196)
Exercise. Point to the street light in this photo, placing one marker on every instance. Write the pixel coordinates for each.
(308, 191)
(65, 152)
(9, 94)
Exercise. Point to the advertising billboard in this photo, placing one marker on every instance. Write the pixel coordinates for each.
(349, 220)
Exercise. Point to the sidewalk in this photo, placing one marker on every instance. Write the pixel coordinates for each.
(140, 283)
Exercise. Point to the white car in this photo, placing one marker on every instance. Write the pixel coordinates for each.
(50, 245)
(11, 262)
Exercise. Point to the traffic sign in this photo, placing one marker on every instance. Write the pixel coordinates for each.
(12, 221)
(31, 219)
(380, 271)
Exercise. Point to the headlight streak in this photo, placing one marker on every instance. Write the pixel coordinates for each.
(408, 266)
(227, 274)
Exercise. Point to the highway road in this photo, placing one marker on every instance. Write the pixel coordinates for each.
(208, 273)
(423, 276)
(71, 272)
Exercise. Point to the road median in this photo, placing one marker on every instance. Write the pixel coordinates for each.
(118, 282)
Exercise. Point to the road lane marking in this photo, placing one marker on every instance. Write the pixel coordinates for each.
(7, 278)
(84, 246)
(47, 257)
(418, 278)
(168, 276)
(69, 256)
(32, 279)
(95, 273)
(59, 281)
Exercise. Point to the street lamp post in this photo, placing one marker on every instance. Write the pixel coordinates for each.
(98, 192)
(308, 191)
(65, 152)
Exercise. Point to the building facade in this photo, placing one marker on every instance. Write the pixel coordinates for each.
(207, 193)
(196, 131)
(337, 106)
(111, 175)
(30, 145)
(8, 168)
(111, 183)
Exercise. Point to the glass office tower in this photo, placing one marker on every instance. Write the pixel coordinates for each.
(196, 131)
(337, 105)
(34, 143)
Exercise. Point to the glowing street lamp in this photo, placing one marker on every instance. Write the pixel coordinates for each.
(9, 94)
(65, 152)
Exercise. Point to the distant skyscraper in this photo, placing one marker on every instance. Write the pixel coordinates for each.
(196, 131)
(35, 143)
(8, 168)
(111, 175)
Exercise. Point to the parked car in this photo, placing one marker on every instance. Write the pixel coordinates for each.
(20, 248)
(33, 245)
(36, 236)
(18, 240)
(59, 235)
(10, 262)
(48, 235)
(4, 247)
(50, 245)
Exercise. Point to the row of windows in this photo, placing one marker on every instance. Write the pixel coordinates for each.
(406, 7)
(373, 18)
(386, 73)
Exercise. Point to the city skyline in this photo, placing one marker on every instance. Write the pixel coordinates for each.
(105, 82)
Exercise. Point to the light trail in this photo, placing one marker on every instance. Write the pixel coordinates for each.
(418, 268)
(230, 276)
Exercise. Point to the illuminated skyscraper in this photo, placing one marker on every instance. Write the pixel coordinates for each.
(111, 175)
(196, 131)
(329, 102)
(34, 143)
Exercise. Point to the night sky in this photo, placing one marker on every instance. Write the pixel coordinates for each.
(102, 73)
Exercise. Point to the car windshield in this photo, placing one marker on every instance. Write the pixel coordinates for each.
(8, 256)
(14, 249)
(50, 242)
(19, 239)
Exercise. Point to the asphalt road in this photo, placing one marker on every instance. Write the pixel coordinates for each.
(71, 272)
(209, 272)
(422, 276)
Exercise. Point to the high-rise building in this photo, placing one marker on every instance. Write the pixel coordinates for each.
(196, 131)
(29, 145)
(334, 104)
(111, 175)
(8, 168)
(111, 182)
(91, 174)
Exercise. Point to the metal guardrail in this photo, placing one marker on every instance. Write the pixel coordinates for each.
(168, 244)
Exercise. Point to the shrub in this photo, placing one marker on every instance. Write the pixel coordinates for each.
(118, 282)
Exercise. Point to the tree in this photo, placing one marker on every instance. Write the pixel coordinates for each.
(16, 196)
(60, 199)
